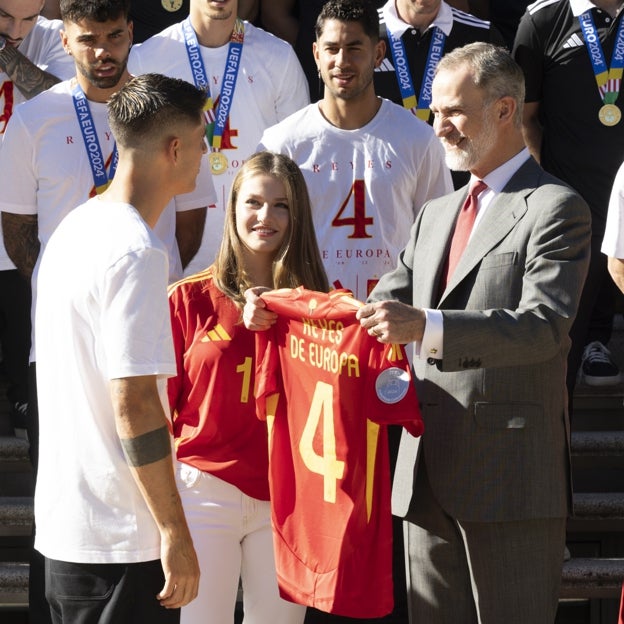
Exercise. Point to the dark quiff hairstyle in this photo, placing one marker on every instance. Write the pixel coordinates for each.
(298, 261)
(149, 106)
(361, 11)
(96, 10)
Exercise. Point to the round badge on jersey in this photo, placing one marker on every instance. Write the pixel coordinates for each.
(392, 385)
(171, 5)
(609, 115)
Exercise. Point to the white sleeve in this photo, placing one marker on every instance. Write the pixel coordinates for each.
(136, 325)
(18, 179)
(613, 242)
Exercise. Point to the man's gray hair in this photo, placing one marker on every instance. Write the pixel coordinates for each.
(493, 69)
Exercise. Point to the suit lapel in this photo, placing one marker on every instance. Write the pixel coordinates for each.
(501, 217)
(439, 226)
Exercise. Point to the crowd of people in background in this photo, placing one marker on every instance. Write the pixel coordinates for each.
(343, 144)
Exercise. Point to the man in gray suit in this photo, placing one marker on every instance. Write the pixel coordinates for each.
(486, 490)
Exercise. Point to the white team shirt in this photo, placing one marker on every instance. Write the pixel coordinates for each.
(103, 315)
(42, 47)
(613, 242)
(366, 186)
(270, 86)
(45, 171)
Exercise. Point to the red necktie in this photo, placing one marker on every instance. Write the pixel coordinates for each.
(463, 227)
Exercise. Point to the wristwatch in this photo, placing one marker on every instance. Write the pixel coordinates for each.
(2, 43)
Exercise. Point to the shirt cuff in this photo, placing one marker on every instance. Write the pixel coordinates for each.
(431, 346)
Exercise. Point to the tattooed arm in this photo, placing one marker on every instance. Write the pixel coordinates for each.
(26, 76)
(21, 240)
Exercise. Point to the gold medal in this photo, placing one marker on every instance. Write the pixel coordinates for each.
(218, 163)
(609, 115)
(171, 5)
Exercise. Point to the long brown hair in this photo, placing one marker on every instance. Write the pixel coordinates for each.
(298, 261)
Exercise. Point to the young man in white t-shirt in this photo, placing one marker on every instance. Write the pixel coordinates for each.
(104, 352)
(254, 79)
(58, 150)
(32, 59)
(369, 164)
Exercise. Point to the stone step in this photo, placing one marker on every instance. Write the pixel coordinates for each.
(597, 512)
(14, 454)
(597, 443)
(592, 578)
(14, 585)
(581, 578)
(16, 515)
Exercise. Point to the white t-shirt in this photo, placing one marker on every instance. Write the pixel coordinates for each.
(42, 47)
(103, 317)
(45, 171)
(366, 186)
(613, 242)
(270, 86)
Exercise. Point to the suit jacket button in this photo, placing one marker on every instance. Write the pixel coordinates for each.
(431, 361)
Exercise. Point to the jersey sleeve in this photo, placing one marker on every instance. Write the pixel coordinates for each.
(178, 330)
(393, 395)
(527, 51)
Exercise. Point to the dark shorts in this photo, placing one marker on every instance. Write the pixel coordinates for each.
(84, 593)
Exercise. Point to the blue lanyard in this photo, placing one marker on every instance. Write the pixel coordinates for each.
(101, 178)
(419, 107)
(228, 84)
(607, 79)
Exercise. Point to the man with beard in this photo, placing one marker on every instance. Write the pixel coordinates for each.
(58, 151)
(32, 59)
(486, 491)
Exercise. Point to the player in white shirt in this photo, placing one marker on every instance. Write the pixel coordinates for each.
(106, 349)
(369, 164)
(31, 60)
(264, 84)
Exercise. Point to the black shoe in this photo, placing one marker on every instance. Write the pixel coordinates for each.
(598, 368)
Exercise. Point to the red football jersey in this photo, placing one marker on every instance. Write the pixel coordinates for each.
(327, 390)
(212, 403)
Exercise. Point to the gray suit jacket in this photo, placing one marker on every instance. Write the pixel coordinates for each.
(495, 407)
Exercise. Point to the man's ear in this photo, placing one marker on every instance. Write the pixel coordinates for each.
(173, 150)
(506, 108)
(64, 39)
(380, 52)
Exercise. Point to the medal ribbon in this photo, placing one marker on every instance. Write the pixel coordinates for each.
(419, 107)
(607, 79)
(228, 84)
(101, 178)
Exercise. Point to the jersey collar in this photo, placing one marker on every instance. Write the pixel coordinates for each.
(581, 6)
(395, 25)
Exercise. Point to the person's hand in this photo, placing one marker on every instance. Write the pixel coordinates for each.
(255, 314)
(392, 321)
(181, 570)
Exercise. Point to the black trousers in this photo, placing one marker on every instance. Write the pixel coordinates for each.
(82, 593)
(15, 333)
(594, 319)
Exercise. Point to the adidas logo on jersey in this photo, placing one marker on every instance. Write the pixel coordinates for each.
(386, 66)
(573, 42)
(217, 334)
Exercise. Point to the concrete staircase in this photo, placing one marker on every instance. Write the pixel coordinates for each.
(592, 578)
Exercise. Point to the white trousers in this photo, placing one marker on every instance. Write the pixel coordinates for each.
(233, 539)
